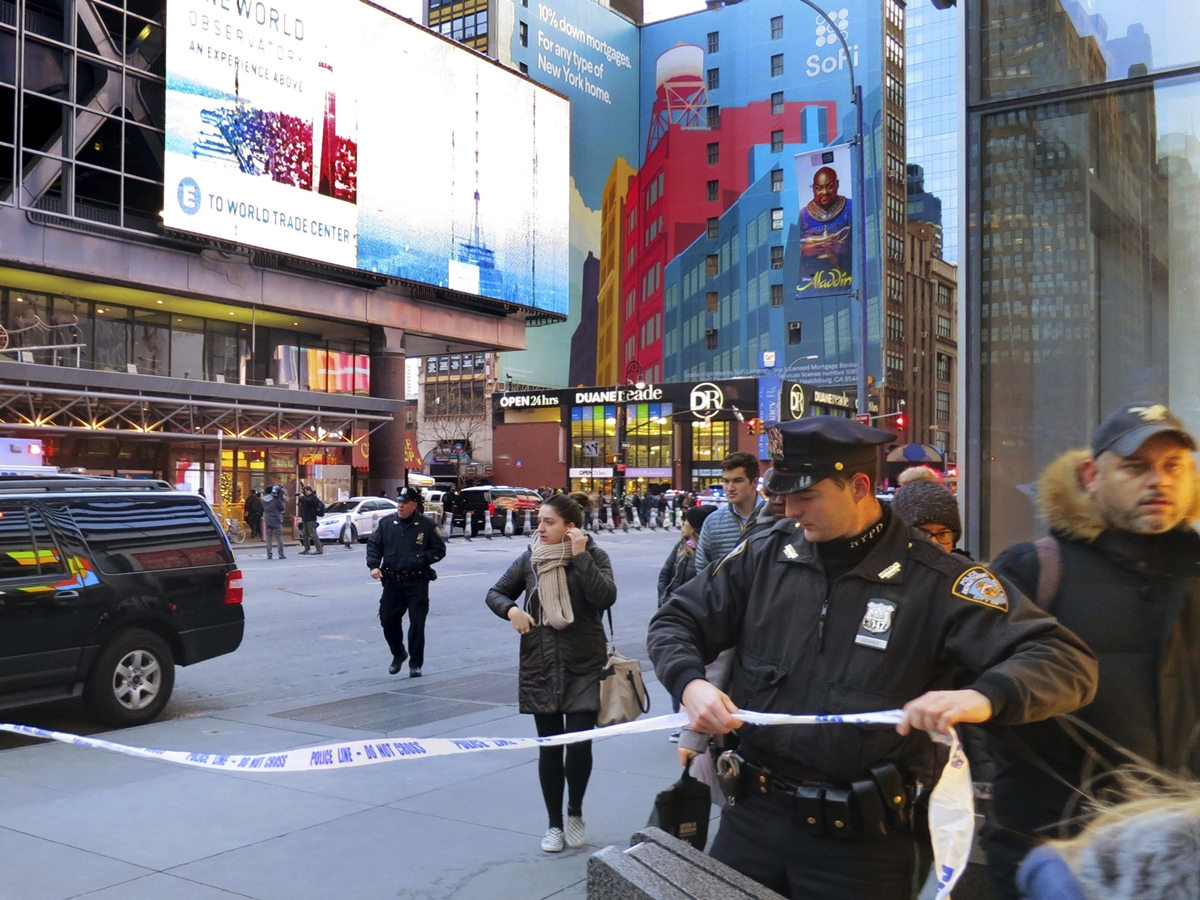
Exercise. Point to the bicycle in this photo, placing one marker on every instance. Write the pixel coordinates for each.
(235, 531)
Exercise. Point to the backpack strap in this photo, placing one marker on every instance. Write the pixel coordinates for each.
(1049, 555)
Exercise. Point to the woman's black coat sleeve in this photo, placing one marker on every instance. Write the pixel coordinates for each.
(667, 574)
(595, 569)
(504, 593)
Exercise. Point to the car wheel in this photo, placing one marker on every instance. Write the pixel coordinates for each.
(132, 679)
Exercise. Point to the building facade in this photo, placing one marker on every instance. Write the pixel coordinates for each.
(932, 91)
(930, 323)
(1083, 235)
(140, 352)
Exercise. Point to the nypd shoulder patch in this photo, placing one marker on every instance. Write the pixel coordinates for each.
(981, 586)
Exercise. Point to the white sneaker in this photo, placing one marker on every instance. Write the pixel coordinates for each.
(576, 831)
(553, 841)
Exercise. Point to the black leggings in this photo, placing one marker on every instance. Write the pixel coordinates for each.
(578, 768)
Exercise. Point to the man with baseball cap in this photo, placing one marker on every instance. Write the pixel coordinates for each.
(1120, 568)
(842, 608)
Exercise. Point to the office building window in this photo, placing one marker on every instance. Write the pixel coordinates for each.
(524, 31)
(714, 153)
(714, 41)
(777, 65)
(776, 257)
(895, 367)
(895, 288)
(524, 68)
(895, 129)
(895, 248)
(714, 79)
(776, 28)
(714, 228)
(794, 332)
(896, 209)
(713, 116)
(712, 190)
(777, 103)
(712, 302)
(777, 219)
(943, 406)
(944, 327)
(776, 141)
(777, 295)
(710, 339)
(944, 295)
(943, 367)
(894, 51)
(895, 328)
(777, 180)
(712, 264)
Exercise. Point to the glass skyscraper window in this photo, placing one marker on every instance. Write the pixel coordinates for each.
(1083, 252)
(931, 83)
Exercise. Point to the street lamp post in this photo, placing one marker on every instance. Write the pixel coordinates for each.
(860, 206)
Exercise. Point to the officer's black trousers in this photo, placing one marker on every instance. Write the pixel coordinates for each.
(767, 842)
(402, 597)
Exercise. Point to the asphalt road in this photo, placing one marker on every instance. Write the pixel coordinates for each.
(312, 629)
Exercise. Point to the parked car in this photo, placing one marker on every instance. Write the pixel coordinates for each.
(348, 521)
(106, 585)
(433, 503)
(495, 501)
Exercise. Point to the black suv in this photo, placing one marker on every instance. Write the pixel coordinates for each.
(495, 501)
(105, 586)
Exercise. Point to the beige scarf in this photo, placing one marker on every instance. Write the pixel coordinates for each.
(550, 562)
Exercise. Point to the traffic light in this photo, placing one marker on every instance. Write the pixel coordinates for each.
(754, 427)
(901, 421)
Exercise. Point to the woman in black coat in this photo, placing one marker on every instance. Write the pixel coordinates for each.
(568, 583)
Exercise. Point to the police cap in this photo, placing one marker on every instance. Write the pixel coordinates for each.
(408, 494)
(817, 447)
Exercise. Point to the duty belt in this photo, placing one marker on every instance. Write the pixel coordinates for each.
(870, 807)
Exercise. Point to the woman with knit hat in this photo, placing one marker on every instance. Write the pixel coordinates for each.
(568, 583)
(924, 502)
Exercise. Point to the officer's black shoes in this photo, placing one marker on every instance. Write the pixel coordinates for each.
(397, 662)
(414, 671)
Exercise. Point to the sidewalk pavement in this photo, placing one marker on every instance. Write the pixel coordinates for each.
(76, 822)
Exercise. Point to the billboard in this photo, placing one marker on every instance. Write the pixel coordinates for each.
(826, 221)
(590, 54)
(342, 134)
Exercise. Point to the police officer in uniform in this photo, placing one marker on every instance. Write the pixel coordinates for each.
(842, 608)
(401, 553)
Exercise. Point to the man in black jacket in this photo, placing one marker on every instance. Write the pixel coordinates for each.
(311, 509)
(1121, 568)
(842, 608)
(401, 553)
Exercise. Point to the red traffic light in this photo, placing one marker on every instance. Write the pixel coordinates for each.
(754, 427)
(901, 421)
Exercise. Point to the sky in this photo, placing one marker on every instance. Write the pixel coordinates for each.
(655, 10)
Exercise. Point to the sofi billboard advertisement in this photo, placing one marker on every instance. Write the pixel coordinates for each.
(720, 228)
(339, 133)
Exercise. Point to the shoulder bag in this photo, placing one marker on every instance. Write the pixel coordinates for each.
(623, 695)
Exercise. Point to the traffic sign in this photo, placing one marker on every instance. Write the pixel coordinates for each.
(591, 448)
(864, 418)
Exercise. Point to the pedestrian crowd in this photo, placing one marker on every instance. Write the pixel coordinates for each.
(1070, 663)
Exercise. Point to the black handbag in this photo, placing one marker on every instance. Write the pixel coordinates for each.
(683, 810)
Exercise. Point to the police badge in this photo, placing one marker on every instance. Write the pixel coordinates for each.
(876, 627)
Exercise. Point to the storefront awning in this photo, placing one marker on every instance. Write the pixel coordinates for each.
(56, 400)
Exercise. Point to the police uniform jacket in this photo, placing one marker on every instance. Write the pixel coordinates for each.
(908, 619)
(560, 669)
(404, 546)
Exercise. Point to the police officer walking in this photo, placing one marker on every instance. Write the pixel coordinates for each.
(842, 608)
(401, 553)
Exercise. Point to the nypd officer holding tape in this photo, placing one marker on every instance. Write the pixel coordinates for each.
(842, 608)
(401, 553)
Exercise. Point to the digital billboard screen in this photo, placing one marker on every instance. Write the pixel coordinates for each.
(336, 132)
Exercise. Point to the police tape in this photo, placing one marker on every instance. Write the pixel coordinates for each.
(951, 805)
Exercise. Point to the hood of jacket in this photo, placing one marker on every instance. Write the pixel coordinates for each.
(1067, 505)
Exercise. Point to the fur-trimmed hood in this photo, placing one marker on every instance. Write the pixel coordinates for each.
(1068, 507)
